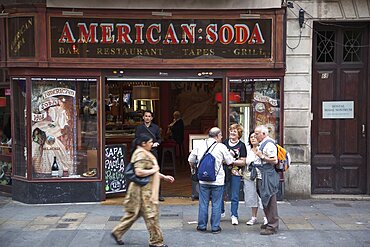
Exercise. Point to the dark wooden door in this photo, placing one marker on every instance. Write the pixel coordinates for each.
(340, 60)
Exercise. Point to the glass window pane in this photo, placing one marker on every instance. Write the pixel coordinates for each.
(64, 128)
(20, 126)
(254, 102)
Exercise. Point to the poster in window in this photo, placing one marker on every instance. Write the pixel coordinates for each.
(53, 128)
(266, 107)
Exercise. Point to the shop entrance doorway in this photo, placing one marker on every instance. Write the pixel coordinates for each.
(126, 98)
(339, 104)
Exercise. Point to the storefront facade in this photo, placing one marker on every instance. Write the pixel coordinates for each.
(81, 79)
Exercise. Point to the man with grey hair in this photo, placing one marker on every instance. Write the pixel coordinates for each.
(212, 190)
(269, 185)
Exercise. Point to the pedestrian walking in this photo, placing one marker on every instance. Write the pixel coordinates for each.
(151, 129)
(212, 190)
(233, 174)
(143, 200)
(269, 185)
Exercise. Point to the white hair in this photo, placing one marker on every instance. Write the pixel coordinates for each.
(263, 129)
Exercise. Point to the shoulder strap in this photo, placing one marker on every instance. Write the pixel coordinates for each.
(155, 138)
(265, 143)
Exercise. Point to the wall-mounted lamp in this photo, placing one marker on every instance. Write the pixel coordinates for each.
(290, 5)
(161, 13)
(301, 17)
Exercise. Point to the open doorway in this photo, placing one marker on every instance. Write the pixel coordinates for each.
(194, 98)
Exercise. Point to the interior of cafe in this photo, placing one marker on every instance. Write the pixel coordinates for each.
(125, 102)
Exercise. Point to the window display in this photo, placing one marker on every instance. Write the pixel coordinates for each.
(19, 139)
(254, 102)
(64, 128)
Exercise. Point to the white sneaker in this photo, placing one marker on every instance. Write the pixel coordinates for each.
(223, 215)
(234, 220)
(252, 221)
(265, 221)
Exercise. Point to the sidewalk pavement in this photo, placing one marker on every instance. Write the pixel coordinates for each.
(314, 222)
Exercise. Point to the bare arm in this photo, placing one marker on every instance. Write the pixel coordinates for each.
(167, 178)
(140, 172)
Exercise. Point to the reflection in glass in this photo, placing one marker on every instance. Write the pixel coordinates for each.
(19, 138)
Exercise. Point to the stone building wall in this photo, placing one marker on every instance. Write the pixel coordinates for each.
(298, 82)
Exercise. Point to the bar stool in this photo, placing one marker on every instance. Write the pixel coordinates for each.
(168, 156)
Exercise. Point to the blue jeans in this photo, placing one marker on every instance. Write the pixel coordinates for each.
(234, 195)
(205, 192)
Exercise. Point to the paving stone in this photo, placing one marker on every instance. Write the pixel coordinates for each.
(87, 238)
(29, 239)
(305, 226)
(324, 225)
(36, 227)
(14, 224)
(93, 219)
(45, 220)
(58, 238)
(91, 226)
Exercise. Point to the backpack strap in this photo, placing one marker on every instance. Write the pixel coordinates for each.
(206, 152)
(265, 143)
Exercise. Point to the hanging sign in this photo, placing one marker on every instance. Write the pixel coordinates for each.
(115, 156)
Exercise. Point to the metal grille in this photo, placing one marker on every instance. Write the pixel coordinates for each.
(325, 46)
(351, 48)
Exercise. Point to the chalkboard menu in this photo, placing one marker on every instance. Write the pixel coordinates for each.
(115, 158)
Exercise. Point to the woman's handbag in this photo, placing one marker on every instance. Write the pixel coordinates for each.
(130, 175)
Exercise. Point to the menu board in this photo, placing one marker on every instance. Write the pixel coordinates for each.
(115, 158)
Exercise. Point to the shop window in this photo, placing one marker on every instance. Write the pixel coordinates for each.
(19, 141)
(254, 102)
(325, 46)
(64, 128)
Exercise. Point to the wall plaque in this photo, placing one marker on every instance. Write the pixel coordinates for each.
(338, 109)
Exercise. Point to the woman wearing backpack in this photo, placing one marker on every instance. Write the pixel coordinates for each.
(233, 174)
(251, 197)
(143, 200)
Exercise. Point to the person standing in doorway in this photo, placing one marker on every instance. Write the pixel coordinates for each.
(234, 173)
(151, 129)
(176, 130)
(269, 185)
(212, 190)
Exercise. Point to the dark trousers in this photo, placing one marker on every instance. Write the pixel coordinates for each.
(271, 213)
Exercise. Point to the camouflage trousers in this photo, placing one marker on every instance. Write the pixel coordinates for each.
(151, 221)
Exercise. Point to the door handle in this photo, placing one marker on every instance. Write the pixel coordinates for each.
(363, 131)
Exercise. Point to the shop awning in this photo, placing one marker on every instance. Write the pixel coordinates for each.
(166, 4)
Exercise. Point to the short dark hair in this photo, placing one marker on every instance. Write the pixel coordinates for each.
(139, 140)
(147, 111)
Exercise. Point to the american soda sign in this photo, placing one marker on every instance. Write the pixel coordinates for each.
(157, 38)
